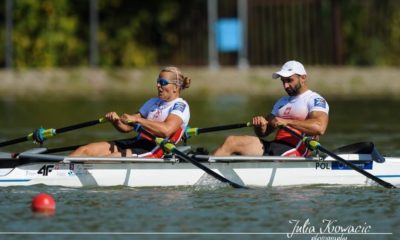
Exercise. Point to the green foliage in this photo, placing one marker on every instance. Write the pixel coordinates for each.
(371, 32)
(137, 33)
(51, 33)
(45, 34)
(393, 37)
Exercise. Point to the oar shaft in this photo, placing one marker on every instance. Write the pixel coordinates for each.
(79, 125)
(354, 167)
(196, 131)
(223, 127)
(206, 169)
(62, 149)
(170, 147)
(316, 145)
(292, 132)
(40, 134)
(13, 141)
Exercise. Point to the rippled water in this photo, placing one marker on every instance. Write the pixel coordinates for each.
(267, 212)
(212, 212)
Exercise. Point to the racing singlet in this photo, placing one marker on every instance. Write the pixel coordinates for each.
(297, 107)
(158, 110)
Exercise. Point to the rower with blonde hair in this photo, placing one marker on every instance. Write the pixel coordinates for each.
(165, 116)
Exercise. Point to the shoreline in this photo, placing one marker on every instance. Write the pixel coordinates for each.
(337, 82)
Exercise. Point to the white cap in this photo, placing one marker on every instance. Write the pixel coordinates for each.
(290, 68)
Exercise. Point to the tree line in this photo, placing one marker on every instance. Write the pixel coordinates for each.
(137, 33)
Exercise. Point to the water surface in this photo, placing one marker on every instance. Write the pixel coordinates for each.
(210, 212)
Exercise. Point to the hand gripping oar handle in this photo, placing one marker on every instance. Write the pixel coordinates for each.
(170, 147)
(196, 131)
(313, 144)
(41, 134)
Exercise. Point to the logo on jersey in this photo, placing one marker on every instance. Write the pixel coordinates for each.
(179, 106)
(287, 111)
(320, 102)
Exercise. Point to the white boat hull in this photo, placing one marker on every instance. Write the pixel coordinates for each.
(248, 171)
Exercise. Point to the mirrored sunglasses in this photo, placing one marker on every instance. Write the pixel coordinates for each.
(165, 82)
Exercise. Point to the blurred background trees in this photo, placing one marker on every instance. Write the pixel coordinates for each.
(136, 33)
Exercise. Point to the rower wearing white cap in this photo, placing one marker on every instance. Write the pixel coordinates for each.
(303, 111)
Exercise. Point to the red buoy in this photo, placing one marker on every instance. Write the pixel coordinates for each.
(43, 203)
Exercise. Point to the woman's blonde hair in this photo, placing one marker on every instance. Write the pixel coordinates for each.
(182, 81)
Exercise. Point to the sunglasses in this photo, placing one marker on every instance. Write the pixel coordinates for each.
(164, 82)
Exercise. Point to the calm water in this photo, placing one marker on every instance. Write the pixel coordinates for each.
(210, 212)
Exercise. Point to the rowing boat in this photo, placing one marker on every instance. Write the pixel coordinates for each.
(35, 167)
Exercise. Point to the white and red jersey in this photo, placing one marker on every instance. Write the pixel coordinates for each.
(158, 110)
(298, 107)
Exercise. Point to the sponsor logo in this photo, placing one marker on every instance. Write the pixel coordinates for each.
(179, 106)
(30, 173)
(157, 114)
(56, 166)
(46, 169)
(287, 111)
(320, 102)
(362, 165)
